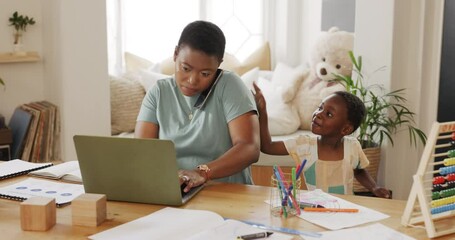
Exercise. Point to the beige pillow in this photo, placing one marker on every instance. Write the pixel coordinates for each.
(126, 100)
(167, 66)
(231, 63)
(259, 58)
(134, 63)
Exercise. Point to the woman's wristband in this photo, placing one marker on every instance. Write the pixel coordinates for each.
(205, 170)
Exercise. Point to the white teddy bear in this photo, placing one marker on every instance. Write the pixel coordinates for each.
(329, 56)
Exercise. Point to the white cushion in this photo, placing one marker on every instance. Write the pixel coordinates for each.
(249, 77)
(267, 74)
(283, 117)
(287, 79)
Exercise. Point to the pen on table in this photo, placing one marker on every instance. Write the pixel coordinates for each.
(255, 235)
(348, 210)
(309, 205)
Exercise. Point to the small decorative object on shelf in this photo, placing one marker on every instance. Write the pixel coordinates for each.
(20, 23)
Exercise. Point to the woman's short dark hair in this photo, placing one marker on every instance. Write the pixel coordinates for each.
(356, 108)
(204, 36)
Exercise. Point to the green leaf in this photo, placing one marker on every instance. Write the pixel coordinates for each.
(20, 22)
(387, 112)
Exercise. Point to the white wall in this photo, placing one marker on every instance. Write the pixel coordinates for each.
(71, 38)
(406, 40)
(24, 81)
(311, 27)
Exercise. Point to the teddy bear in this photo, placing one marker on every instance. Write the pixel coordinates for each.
(329, 56)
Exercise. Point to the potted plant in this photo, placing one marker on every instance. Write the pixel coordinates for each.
(20, 23)
(386, 114)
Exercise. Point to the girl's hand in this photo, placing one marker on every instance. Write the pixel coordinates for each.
(382, 192)
(259, 98)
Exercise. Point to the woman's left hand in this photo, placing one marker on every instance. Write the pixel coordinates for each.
(192, 178)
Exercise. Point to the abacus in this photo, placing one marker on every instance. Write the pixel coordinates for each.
(432, 197)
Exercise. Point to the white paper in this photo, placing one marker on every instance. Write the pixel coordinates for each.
(175, 224)
(231, 229)
(374, 231)
(62, 192)
(337, 220)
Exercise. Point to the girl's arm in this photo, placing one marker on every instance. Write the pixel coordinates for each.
(367, 181)
(267, 146)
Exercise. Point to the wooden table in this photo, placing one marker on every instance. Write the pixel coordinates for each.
(236, 201)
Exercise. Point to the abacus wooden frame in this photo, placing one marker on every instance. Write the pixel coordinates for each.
(413, 215)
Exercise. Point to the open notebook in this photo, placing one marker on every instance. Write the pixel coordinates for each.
(67, 171)
(19, 167)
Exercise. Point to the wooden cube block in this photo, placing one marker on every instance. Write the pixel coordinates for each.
(38, 214)
(89, 209)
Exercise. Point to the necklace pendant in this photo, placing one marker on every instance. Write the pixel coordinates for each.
(190, 116)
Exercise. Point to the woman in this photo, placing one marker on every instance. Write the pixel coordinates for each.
(208, 113)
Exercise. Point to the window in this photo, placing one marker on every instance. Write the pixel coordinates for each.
(151, 29)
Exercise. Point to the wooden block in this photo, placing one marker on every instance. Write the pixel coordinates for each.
(89, 209)
(38, 214)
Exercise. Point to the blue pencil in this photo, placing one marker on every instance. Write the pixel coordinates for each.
(299, 171)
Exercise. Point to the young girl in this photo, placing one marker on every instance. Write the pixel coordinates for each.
(333, 158)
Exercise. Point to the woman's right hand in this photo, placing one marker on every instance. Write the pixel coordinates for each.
(192, 178)
(259, 98)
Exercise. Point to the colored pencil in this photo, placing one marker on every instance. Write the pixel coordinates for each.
(299, 171)
(347, 210)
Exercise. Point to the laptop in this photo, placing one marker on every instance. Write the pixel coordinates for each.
(131, 169)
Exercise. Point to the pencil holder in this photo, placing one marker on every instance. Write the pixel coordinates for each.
(285, 196)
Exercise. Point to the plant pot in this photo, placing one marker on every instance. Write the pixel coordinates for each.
(18, 46)
(18, 50)
(374, 156)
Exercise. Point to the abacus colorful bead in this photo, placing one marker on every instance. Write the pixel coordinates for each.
(443, 209)
(446, 170)
(451, 153)
(450, 177)
(438, 180)
(443, 201)
(447, 193)
(437, 187)
(449, 161)
(435, 195)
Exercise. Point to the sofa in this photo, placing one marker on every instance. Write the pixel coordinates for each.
(128, 90)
